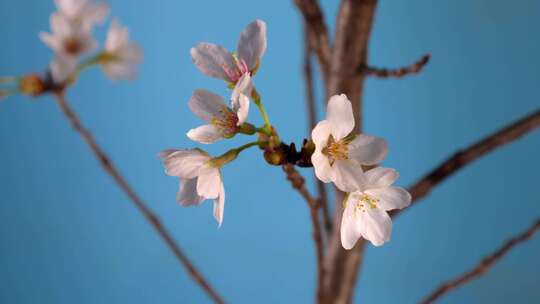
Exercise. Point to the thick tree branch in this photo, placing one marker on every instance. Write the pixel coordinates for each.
(298, 183)
(484, 265)
(353, 29)
(312, 120)
(137, 201)
(317, 33)
(395, 73)
(466, 156)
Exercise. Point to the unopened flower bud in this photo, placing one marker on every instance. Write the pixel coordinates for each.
(32, 85)
(274, 157)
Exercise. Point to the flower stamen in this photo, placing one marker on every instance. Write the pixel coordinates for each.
(364, 201)
(227, 123)
(336, 150)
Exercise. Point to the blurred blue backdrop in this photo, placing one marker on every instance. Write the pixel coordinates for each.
(68, 235)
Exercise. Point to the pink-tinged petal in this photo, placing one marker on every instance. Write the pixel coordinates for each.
(52, 41)
(205, 134)
(71, 8)
(120, 71)
(61, 68)
(94, 13)
(130, 53)
(183, 163)
(380, 177)
(320, 134)
(213, 60)
(391, 198)
(340, 116)
(61, 26)
(117, 37)
(187, 195)
(209, 182)
(375, 225)
(207, 105)
(368, 150)
(322, 167)
(350, 226)
(348, 176)
(252, 44)
(219, 206)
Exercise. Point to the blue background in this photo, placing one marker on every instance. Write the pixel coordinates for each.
(68, 235)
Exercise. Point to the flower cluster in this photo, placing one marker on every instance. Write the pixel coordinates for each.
(71, 37)
(339, 157)
(336, 153)
(200, 173)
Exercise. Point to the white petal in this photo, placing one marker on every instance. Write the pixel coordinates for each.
(350, 226)
(380, 177)
(61, 68)
(252, 44)
(240, 99)
(70, 8)
(209, 183)
(117, 37)
(52, 41)
(376, 226)
(187, 195)
(368, 150)
(243, 109)
(242, 87)
(120, 70)
(213, 60)
(391, 198)
(320, 134)
(205, 134)
(206, 105)
(94, 13)
(130, 53)
(322, 167)
(219, 206)
(349, 176)
(340, 115)
(183, 163)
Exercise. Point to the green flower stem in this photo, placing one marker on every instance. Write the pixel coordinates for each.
(231, 155)
(258, 102)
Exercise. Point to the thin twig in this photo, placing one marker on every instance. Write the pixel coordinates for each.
(141, 206)
(317, 32)
(298, 183)
(464, 157)
(312, 120)
(484, 265)
(395, 73)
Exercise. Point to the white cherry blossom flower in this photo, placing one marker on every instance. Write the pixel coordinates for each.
(215, 61)
(120, 58)
(223, 121)
(338, 154)
(365, 214)
(199, 179)
(68, 38)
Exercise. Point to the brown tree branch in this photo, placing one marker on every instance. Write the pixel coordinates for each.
(317, 33)
(298, 183)
(353, 29)
(141, 206)
(484, 265)
(395, 73)
(464, 157)
(312, 120)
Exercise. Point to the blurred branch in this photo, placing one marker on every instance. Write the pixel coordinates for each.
(395, 73)
(312, 120)
(464, 157)
(317, 33)
(141, 206)
(484, 265)
(298, 183)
